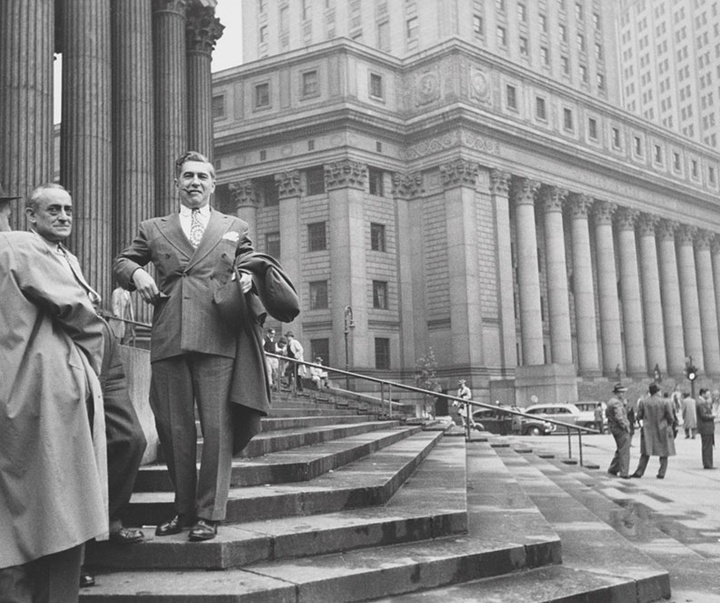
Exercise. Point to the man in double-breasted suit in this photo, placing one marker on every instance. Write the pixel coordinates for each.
(192, 347)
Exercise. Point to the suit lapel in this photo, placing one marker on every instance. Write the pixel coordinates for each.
(170, 228)
(216, 227)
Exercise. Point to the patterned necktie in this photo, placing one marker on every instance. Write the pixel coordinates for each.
(196, 228)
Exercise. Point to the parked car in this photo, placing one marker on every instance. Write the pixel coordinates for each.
(567, 413)
(488, 419)
(589, 416)
(503, 423)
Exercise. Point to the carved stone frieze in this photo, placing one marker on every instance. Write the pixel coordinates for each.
(243, 194)
(603, 212)
(553, 198)
(626, 218)
(523, 191)
(289, 184)
(479, 85)
(499, 182)
(427, 87)
(407, 185)
(459, 172)
(345, 174)
(579, 205)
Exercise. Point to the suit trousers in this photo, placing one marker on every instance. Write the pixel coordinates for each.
(707, 441)
(642, 465)
(50, 579)
(177, 384)
(620, 464)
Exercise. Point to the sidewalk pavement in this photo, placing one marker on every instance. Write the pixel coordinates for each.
(685, 506)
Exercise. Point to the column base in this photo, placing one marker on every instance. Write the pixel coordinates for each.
(549, 382)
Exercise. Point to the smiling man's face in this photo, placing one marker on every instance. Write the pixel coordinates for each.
(195, 184)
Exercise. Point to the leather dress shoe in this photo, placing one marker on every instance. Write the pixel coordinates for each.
(86, 579)
(637, 475)
(174, 526)
(126, 536)
(204, 529)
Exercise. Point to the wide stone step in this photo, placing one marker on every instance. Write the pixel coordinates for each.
(429, 505)
(330, 418)
(505, 533)
(295, 465)
(366, 482)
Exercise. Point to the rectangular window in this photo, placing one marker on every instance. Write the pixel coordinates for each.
(523, 46)
(321, 348)
(616, 138)
(383, 35)
(380, 295)
(511, 97)
(382, 353)
(676, 161)
(411, 29)
(375, 181)
(600, 81)
(598, 51)
(317, 240)
(522, 12)
(318, 295)
(584, 74)
(545, 55)
(263, 34)
(543, 22)
(638, 146)
(310, 85)
(261, 6)
(563, 32)
(592, 128)
(218, 106)
(540, 108)
(315, 180)
(284, 23)
(500, 5)
(568, 119)
(376, 86)
(565, 62)
(478, 28)
(581, 42)
(711, 175)
(272, 244)
(658, 153)
(262, 95)
(501, 36)
(377, 236)
(694, 168)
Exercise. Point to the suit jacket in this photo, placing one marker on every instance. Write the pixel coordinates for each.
(658, 417)
(186, 320)
(51, 490)
(706, 418)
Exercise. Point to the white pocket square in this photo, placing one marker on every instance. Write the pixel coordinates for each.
(232, 236)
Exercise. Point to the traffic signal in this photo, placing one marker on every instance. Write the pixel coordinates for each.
(690, 372)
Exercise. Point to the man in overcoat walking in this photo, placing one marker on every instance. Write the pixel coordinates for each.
(657, 437)
(706, 427)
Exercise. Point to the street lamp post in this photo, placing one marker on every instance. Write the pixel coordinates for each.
(691, 374)
(349, 323)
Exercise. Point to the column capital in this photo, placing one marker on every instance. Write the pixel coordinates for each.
(579, 205)
(626, 218)
(647, 224)
(289, 184)
(203, 29)
(686, 234)
(523, 191)
(553, 198)
(715, 243)
(666, 229)
(345, 174)
(703, 238)
(243, 194)
(499, 182)
(603, 212)
(170, 6)
(407, 185)
(459, 172)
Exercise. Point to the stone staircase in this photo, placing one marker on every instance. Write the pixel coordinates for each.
(331, 505)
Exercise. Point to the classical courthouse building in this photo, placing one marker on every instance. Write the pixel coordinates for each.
(460, 176)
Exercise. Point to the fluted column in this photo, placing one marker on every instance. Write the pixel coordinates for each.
(202, 33)
(715, 254)
(635, 360)
(499, 187)
(459, 180)
(692, 333)
(27, 40)
(85, 145)
(708, 304)
(652, 306)
(611, 340)
(132, 119)
(670, 294)
(557, 282)
(531, 327)
(584, 287)
(289, 191)
(170, 76)
(246, 204)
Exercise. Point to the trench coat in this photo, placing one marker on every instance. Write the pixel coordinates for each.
(658, 417)
(51, 488)
(689, 413)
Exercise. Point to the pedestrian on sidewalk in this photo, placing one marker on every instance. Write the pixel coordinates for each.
(706, 427)
(617, 417)
(657, 437)
(689, 416)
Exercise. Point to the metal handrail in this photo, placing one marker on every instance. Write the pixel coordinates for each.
(579, 429)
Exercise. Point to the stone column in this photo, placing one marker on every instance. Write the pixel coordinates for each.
(202, 33)
(670, 295)
(85, 144)
(531, 327)
(652, 306)
(557, 282)
(132, 119)
(345, 182)
(611, 340)
(289, 191)
(27, 41)
(499, 187)
(715, 253)
(708, 304)
(170, 98)
(459, 180)
(584, 287)
(692, 332)
(246, 204)
(635, 357)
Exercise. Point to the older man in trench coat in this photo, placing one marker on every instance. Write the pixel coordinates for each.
(658, 431)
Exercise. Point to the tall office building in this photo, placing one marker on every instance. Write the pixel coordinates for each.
(670, 59)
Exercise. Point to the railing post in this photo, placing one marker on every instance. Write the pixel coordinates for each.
(580, 445)
(569, 434)
(390, 400)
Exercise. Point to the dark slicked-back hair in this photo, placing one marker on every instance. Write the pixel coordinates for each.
(192, 156)
(32, 200)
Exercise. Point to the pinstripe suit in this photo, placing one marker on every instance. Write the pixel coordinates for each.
(192, 351)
